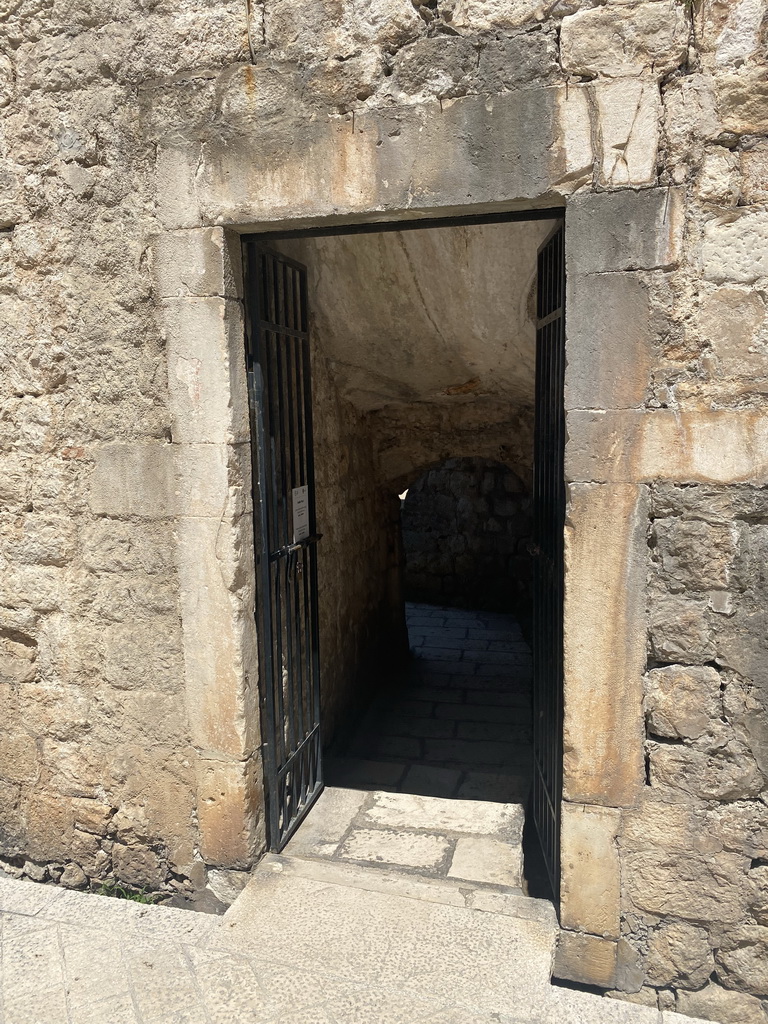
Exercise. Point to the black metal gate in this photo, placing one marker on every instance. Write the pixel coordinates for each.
(549, 522)
(277, 355)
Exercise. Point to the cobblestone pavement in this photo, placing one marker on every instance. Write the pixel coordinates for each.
(291, 950)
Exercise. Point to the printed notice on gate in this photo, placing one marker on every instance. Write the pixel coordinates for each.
(300, 499)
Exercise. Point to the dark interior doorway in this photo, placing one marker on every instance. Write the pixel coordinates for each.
(486, 672)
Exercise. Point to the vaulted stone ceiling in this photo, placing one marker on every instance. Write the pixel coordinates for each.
(438, 315)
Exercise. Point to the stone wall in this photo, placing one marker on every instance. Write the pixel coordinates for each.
(132, 138)
(466, 524)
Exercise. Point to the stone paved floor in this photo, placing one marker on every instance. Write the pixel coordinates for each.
(456, 721)
(299, 946)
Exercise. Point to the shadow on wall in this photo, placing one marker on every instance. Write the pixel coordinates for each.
(466, 527)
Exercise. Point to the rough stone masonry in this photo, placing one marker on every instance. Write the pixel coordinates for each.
(136, 143)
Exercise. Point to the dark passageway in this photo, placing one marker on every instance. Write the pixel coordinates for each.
(455, 722)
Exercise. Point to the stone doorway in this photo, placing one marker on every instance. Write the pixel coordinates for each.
(423, 346)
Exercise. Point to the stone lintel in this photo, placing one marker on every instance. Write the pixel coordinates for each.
(591, 886)
(604, 645)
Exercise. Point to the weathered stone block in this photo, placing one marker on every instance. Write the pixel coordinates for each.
(719, 1004)
(625, 39)
(134, 480)
(177, 201)
(213, 480)
(680, 632)
(587, 959)
(735, 248)
(679, 954)
(219, 633)
(733, 320)
(329, 28)
(18, 758)
(206, 370)
(695, 555)
(624, 230)
(205, 262)
(743, 101)
(487, 15)
(687, 885)
(628, 144)
(742, 959)
(682, 702)
(138, 866)
(611, 349)
(590, 884)
(229, 802)
(604, 662)
(721, 446)
(719, 178)
(714, 768)
(754, 174)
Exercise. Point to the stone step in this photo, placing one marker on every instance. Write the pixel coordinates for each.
(450, 892)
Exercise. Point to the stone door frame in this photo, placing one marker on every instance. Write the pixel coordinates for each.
(403, 164)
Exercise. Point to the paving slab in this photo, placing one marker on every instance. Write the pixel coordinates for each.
(491, 861)
(402, 848)
(466, 817)
(326, 825)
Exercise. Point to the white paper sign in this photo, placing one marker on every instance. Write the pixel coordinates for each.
(300, 501)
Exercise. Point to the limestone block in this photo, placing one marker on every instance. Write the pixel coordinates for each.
(655, 822)
(604, 647)
(203, 262)
(682, 702)
(741, 827)
(138, 866)
(723, 769)
(734, 322)
(687, 885)
(721, 446)
(219, 633)
(38, 538)
(133, 480)
(695, 555)
(590, 883)
(18, 661)
(138, 651)
(679, 954)
(629, 112)
(111, 546)
(610, 347)
(719, 181)
(729, 33)
(18, 758)
(488, 15)
(213, 480)
(49, 832)
(229, 809)
(719, 1004)
(177, 202)
(587, 959)
(680, 631)
(206, 369)
(754, 174)
(573, 153)
(92, 816)
(73, 877)
(338, 30)
(743, 101)
(742, 959)
(624, 230)
(758, 877)
(691, 117)
(735, 248)
(626, 39)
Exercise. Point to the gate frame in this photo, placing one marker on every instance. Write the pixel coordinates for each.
(351, 171)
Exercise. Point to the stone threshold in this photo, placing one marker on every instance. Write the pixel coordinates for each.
(467, 895)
